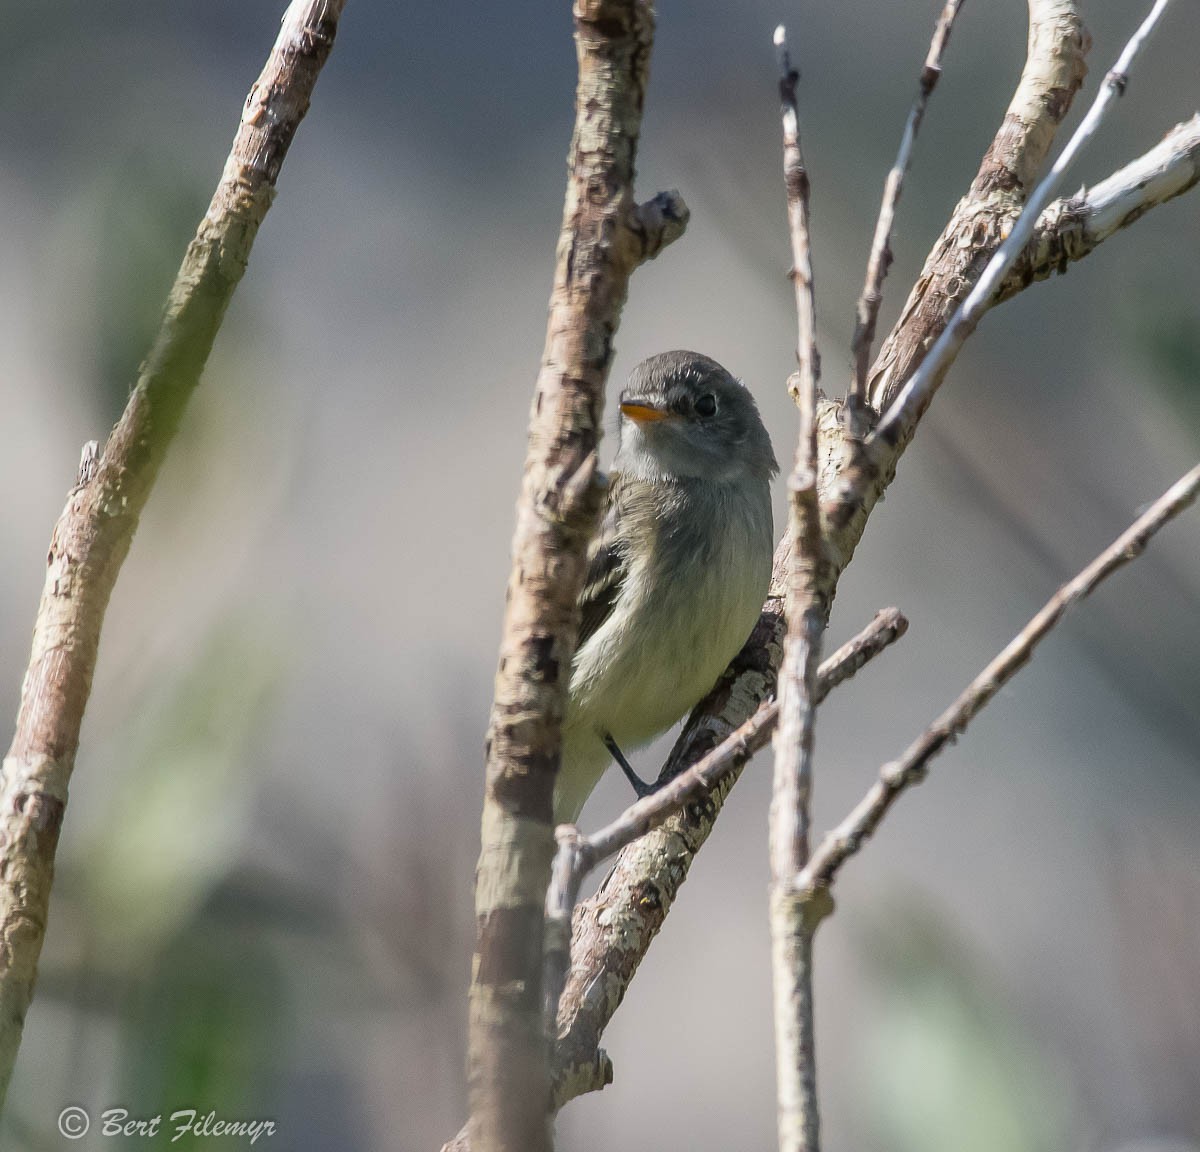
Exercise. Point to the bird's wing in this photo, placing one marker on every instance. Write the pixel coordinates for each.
(607, 569)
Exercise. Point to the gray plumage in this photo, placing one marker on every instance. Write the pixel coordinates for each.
(680, 568)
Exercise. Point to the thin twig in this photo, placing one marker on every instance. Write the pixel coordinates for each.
(904, 413)
(791, 934)
(578, 855)
(845, 840)
(795, 177)
(94, 532)
(1073, 227)
(790, 817)
(880, 259)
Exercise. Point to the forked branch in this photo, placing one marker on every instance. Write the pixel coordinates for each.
(1054, 71)
(901, 417)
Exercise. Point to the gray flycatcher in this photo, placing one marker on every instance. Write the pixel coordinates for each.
(679, 570)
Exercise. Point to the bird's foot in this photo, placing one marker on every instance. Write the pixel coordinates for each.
(639, 785)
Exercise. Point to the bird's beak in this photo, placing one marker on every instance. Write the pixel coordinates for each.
(642, 413)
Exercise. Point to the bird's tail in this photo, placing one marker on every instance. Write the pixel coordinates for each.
(584, 760)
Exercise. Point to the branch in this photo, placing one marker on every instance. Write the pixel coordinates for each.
(791, 934)
(880, 259)
(845, 840)
(901, 417)
(805, 617)
(577, 856)
(604, 237)
(94, 532)
(870, 467)
(1054, 70)
(1073, 227)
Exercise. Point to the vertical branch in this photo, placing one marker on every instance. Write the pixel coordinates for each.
(94, 532)
(880, 259)
(604, 236)
(791, 926)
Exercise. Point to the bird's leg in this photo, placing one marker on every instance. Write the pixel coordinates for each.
(639, 785)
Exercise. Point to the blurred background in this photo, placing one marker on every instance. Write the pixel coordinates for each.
(263, 901)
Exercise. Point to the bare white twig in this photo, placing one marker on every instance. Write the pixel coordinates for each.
(880, 259)
(917, 392)
(1074, 226)
(846, 839)
(1172, 166)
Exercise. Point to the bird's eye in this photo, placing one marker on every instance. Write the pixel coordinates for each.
(706, 405)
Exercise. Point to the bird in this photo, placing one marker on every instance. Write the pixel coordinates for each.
(678, 572)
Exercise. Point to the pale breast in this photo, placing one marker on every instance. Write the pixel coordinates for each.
(687, 608)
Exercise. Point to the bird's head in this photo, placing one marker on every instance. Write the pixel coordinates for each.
(683, 415)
